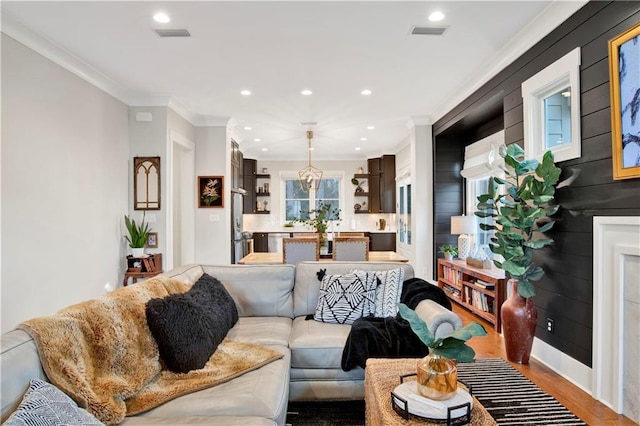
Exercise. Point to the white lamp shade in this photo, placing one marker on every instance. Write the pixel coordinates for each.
(463, 225)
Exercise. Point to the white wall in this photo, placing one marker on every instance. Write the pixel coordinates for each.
(213, 238)
(64, 186)
(149, 139)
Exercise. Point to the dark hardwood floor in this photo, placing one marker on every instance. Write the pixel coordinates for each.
(571, 396)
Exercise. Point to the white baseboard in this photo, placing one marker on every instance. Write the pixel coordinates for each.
(561, 363)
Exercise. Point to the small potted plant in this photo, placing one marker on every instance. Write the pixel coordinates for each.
(449, 251)
(138, 235)
(437, 372)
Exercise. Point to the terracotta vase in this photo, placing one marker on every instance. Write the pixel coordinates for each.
(519, 316)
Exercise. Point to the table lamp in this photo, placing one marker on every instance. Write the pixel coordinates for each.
(463, 226)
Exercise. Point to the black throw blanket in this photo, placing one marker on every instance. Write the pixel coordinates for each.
(390, 337)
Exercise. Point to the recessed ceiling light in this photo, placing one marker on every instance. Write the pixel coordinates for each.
(245, 92)
(161, 17)
(436, 16)
(371, 127)
(257, 140)
(357, 148)
(265, 149)
(247, 127)
(366, 92)
(363, 139)
(306, 92)
(312, 149)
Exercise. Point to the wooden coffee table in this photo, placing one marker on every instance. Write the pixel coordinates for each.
(382, 375)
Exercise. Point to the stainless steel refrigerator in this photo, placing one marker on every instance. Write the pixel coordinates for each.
(239, 243)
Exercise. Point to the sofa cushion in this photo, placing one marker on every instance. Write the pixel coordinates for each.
(196, 420)
(317, 345)
(46, 405)
(263, 392)
(346, 297)
(305, 293)
(188, 327)
(262, 330)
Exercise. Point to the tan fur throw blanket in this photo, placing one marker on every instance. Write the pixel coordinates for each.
(102, 354)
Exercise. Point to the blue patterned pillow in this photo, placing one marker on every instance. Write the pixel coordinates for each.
(46, 405)
(346, 297)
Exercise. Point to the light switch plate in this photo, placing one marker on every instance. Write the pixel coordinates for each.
(214, 218)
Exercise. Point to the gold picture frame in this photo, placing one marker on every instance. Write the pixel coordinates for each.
(624, 81)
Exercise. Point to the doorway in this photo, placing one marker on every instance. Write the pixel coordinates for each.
(181, 209)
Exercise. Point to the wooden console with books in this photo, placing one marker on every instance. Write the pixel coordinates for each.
(481, 291)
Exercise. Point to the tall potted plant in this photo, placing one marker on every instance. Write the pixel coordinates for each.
(520, 205)
(138, 235)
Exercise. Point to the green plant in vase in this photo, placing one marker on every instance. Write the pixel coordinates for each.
(449, 251)
(319, 218)
(437, 372)
(520, 206)
(138, 234)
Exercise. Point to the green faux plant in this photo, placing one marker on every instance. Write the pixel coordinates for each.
(448, 248)
(319, 218)
(521, 212)
(138, 234)
(452, 346)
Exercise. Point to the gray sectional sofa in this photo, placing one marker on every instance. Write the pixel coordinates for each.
(272, 302)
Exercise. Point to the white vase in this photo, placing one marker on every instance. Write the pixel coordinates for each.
(137, 252)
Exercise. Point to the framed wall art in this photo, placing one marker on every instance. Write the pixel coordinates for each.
(624, 80)
(152, 240)
(146, 183)
(210, 191)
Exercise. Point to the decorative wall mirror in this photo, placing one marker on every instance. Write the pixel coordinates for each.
(551, 101)
(146, 183)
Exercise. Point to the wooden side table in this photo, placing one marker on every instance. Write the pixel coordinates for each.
(150, 266)
(382, 375)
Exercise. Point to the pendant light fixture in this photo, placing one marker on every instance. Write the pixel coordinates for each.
(310, 176)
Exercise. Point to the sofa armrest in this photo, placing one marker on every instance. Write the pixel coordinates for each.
(439, 319)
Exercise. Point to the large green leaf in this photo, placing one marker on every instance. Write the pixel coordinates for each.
(546, 226)
(514, 150)
(526, 166)
(513, 269)
(537, 244)
(418, 326)
(534, 273)
(525, 288)
(462, 353)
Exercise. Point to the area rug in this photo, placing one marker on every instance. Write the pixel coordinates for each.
(511, 398)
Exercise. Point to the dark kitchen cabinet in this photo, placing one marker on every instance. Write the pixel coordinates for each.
(249, 178)
(236, 166)
(382, 184)
(382, 241)
(261, 242)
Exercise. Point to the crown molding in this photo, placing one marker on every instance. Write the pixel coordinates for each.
(40, 44)
(539, 27)
(15, 29)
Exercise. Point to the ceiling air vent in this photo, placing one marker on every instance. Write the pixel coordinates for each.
(173, 33)
(428, 30)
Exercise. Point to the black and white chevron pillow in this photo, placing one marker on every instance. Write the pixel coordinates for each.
(46, 405)
(346, 297)
(388, 292)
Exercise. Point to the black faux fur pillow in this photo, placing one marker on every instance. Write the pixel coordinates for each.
(188, 327)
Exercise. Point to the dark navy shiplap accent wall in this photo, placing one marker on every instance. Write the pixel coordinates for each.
(566, 292)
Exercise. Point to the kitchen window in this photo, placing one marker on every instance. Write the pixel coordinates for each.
(297, 202)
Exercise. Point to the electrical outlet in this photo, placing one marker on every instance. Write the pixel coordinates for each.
(551, 327)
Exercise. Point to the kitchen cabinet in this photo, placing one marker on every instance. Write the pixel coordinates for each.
(261, 242)
(382, 241)
(382, 184)
(360, 197)
(257, 187)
